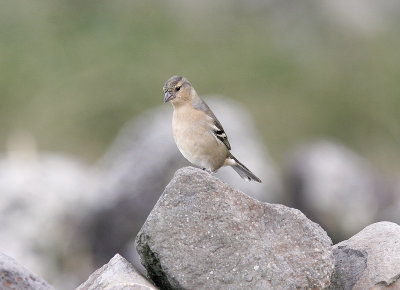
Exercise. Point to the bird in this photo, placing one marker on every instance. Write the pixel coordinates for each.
(197, 132)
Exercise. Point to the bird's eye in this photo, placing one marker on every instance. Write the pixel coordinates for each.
(177, 88)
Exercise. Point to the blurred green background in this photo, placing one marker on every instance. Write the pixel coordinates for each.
(73, 72)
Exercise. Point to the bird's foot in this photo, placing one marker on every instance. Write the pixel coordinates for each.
(208, 170)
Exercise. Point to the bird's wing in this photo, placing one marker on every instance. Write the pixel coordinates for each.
(217, 128)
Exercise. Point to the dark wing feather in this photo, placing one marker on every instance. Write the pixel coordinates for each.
(219, 131)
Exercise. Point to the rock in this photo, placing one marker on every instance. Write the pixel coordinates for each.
(392, 211)
(203, 234)
(139, 165)
(335, 187)
(15, 276)
(44, 195)
(117, 274)
(369, 260)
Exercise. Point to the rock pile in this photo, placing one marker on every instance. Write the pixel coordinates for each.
(204, 234)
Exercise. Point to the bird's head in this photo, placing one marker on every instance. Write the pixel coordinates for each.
(177, 90)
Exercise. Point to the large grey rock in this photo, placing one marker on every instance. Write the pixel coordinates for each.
(15, 276)
(117, 274)
(369, 260)
(335, 187)
(203, 234)
(143, 159)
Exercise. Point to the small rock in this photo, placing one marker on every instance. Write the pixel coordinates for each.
(117, 274)
(369, 260)
(203, 234)
(15, 276)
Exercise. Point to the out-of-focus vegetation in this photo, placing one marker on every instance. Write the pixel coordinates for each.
(72, 72)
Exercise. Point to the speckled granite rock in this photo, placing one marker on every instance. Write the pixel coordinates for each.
(369, 260)
(203, 234)
(15, 276)
(117, 274)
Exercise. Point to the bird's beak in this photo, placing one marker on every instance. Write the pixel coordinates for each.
(168, 96)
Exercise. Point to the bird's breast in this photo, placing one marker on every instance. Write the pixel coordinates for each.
(193, 136)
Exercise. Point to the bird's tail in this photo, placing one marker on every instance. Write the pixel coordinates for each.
(242, 170)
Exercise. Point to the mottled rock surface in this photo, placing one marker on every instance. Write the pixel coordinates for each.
(369, 260)
(203, 234)
(15, 276)
(117, 274)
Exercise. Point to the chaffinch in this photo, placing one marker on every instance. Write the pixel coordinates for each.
(197, 132)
